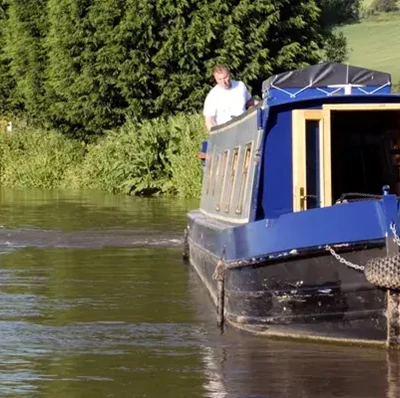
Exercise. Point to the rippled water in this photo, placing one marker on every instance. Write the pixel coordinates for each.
(95, 301)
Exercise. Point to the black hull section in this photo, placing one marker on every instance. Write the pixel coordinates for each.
(313, 296)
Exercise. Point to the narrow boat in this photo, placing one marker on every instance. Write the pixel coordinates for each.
(297, 232)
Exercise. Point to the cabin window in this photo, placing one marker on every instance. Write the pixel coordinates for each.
(243, 180)
(231, 181)
(312, 163)
(222, 179)
(216, 173)
(210, 173)
(361, 152)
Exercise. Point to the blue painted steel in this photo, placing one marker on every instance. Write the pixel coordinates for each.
(277, 166)
(278, 95)
(342, 223)
(262, 116)
(301, 102)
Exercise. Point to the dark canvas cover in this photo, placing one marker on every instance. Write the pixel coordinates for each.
(327, 74)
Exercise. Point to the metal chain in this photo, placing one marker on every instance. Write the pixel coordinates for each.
(344, 261)
(395, 236)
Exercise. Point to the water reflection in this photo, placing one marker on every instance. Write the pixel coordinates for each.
(239, 365)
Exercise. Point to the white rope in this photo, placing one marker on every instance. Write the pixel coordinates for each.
(292, 95)
(328, 93)
(373, 91)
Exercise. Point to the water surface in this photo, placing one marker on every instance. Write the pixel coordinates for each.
(96, 302)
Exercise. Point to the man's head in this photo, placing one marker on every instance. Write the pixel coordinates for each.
(221, 76)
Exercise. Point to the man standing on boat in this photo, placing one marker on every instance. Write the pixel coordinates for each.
(229, 98)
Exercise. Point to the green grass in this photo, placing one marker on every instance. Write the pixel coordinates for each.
(375, 43)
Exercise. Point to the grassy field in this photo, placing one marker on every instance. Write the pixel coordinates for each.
(375, 43)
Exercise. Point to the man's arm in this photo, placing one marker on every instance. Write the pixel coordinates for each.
(250, 103)
(248, 97)
(210, 122)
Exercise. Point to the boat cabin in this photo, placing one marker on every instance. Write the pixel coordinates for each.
(321, 135)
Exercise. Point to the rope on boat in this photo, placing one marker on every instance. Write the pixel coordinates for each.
(381, 271)
(356, 196)
(384, 272)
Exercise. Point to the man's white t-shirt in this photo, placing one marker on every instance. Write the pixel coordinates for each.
(226, 103)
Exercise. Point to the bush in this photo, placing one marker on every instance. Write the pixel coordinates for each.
(396, 87)
(32, 158)
(154, 157)
(336, 48)
(383, 6)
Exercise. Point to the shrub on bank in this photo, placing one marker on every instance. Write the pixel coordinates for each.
(154, 157)
(33, 158)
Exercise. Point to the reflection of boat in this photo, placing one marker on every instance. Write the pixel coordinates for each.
(237, 365)
(295, 205)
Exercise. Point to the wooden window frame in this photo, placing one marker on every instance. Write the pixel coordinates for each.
(299, 156)
(224, 166)
(244, 177)
(232, 178)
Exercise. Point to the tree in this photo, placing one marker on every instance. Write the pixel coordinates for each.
(175, 46)
(84, 61)
(335, 13)
(85, 66)
(26, 30)
(339, 12)
(112, 59)
(7, 83)
(336, 47)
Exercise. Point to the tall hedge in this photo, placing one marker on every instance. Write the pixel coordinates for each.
(84, 61)
(85, 66)
(27, 27)
(6, 80)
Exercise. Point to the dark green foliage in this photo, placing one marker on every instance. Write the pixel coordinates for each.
(335, 13)
(114, 59)
(86, 66)
(336, 48)
(6, 82)
(383, 6)
(339, 12)
(84, 61)
(26, 31)
(36, 158)
(176, 44)
(153, 157)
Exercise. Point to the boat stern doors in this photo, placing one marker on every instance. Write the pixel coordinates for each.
(311, 154)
